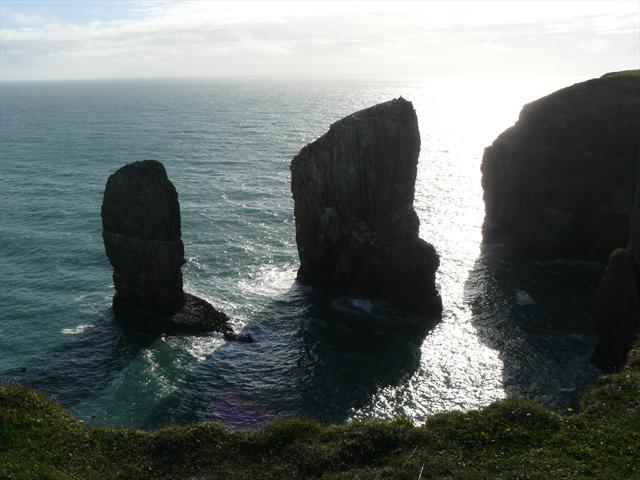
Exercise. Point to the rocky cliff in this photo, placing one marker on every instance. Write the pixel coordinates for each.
(560, 182)
(634, 236)
(142, 238)
(617, 311)
(356, 228)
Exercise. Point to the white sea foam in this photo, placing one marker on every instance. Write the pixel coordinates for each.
(270, 280)
(77, 330)
(199, 347)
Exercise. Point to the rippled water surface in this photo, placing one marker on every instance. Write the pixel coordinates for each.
(508, 328)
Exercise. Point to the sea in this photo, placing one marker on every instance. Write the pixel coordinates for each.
(510, 328)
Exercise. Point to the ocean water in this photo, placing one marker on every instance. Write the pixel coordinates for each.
(509, 328)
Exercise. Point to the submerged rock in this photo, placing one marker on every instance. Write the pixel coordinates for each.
(560, 182)
(142, 238)
(356, 228)
(617, 313)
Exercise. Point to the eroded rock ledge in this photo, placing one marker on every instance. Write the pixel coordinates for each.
(142, 238)
(356, 228)
(560, 182)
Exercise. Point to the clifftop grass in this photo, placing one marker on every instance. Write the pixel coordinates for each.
(622, 73)
(508, 439)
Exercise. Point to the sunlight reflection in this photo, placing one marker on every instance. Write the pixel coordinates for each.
(457, 370)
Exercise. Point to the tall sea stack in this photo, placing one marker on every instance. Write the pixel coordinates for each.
(634, 235)
(356, 228)
(560, 182)
(142, 238)
(617, 311)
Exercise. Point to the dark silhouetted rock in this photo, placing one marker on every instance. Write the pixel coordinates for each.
(141, 231)
(617, 313)
(142, 238)
(634, 237)
(356, 228)
(560, 182)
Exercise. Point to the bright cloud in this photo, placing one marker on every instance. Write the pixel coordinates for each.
(317, 39)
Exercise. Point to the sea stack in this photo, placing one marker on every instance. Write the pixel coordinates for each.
(617, 311)
(142, 238)
(560, 182)
(634, 235)
(356, 228)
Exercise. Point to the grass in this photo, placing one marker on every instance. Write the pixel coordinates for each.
(509, 439)
(622, 73)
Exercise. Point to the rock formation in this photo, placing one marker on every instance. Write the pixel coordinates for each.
(142, 238)
(634, 235)
(560, 182)
(617, 312)
(356, 228)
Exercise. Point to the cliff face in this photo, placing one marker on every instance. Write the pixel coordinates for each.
(560, 182)
(353, 191)
(142, 238)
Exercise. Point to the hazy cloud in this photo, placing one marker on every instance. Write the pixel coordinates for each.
(196, 38)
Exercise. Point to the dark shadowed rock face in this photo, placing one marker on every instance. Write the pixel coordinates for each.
(141, 232)
(634, 237)
(617, 315)
(560, 182)
(353, 192)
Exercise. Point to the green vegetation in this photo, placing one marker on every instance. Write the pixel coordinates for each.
(509, 439)
(622, 73)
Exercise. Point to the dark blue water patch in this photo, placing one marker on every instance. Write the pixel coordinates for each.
(539, 316)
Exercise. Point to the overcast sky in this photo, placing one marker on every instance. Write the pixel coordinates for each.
(49, 39)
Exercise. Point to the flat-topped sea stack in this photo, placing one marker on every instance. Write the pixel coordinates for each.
(356, 228)
(142, 238)
(560, 182)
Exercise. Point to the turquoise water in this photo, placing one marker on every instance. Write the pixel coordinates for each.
(508, 328)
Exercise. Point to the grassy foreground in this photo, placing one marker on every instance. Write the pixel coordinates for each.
(508, 439)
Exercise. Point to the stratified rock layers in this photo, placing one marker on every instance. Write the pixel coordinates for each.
(356, 228)
(560, 182)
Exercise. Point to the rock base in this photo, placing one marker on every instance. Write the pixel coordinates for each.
(196, 316)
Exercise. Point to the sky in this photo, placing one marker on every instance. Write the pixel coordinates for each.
(78, 39)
